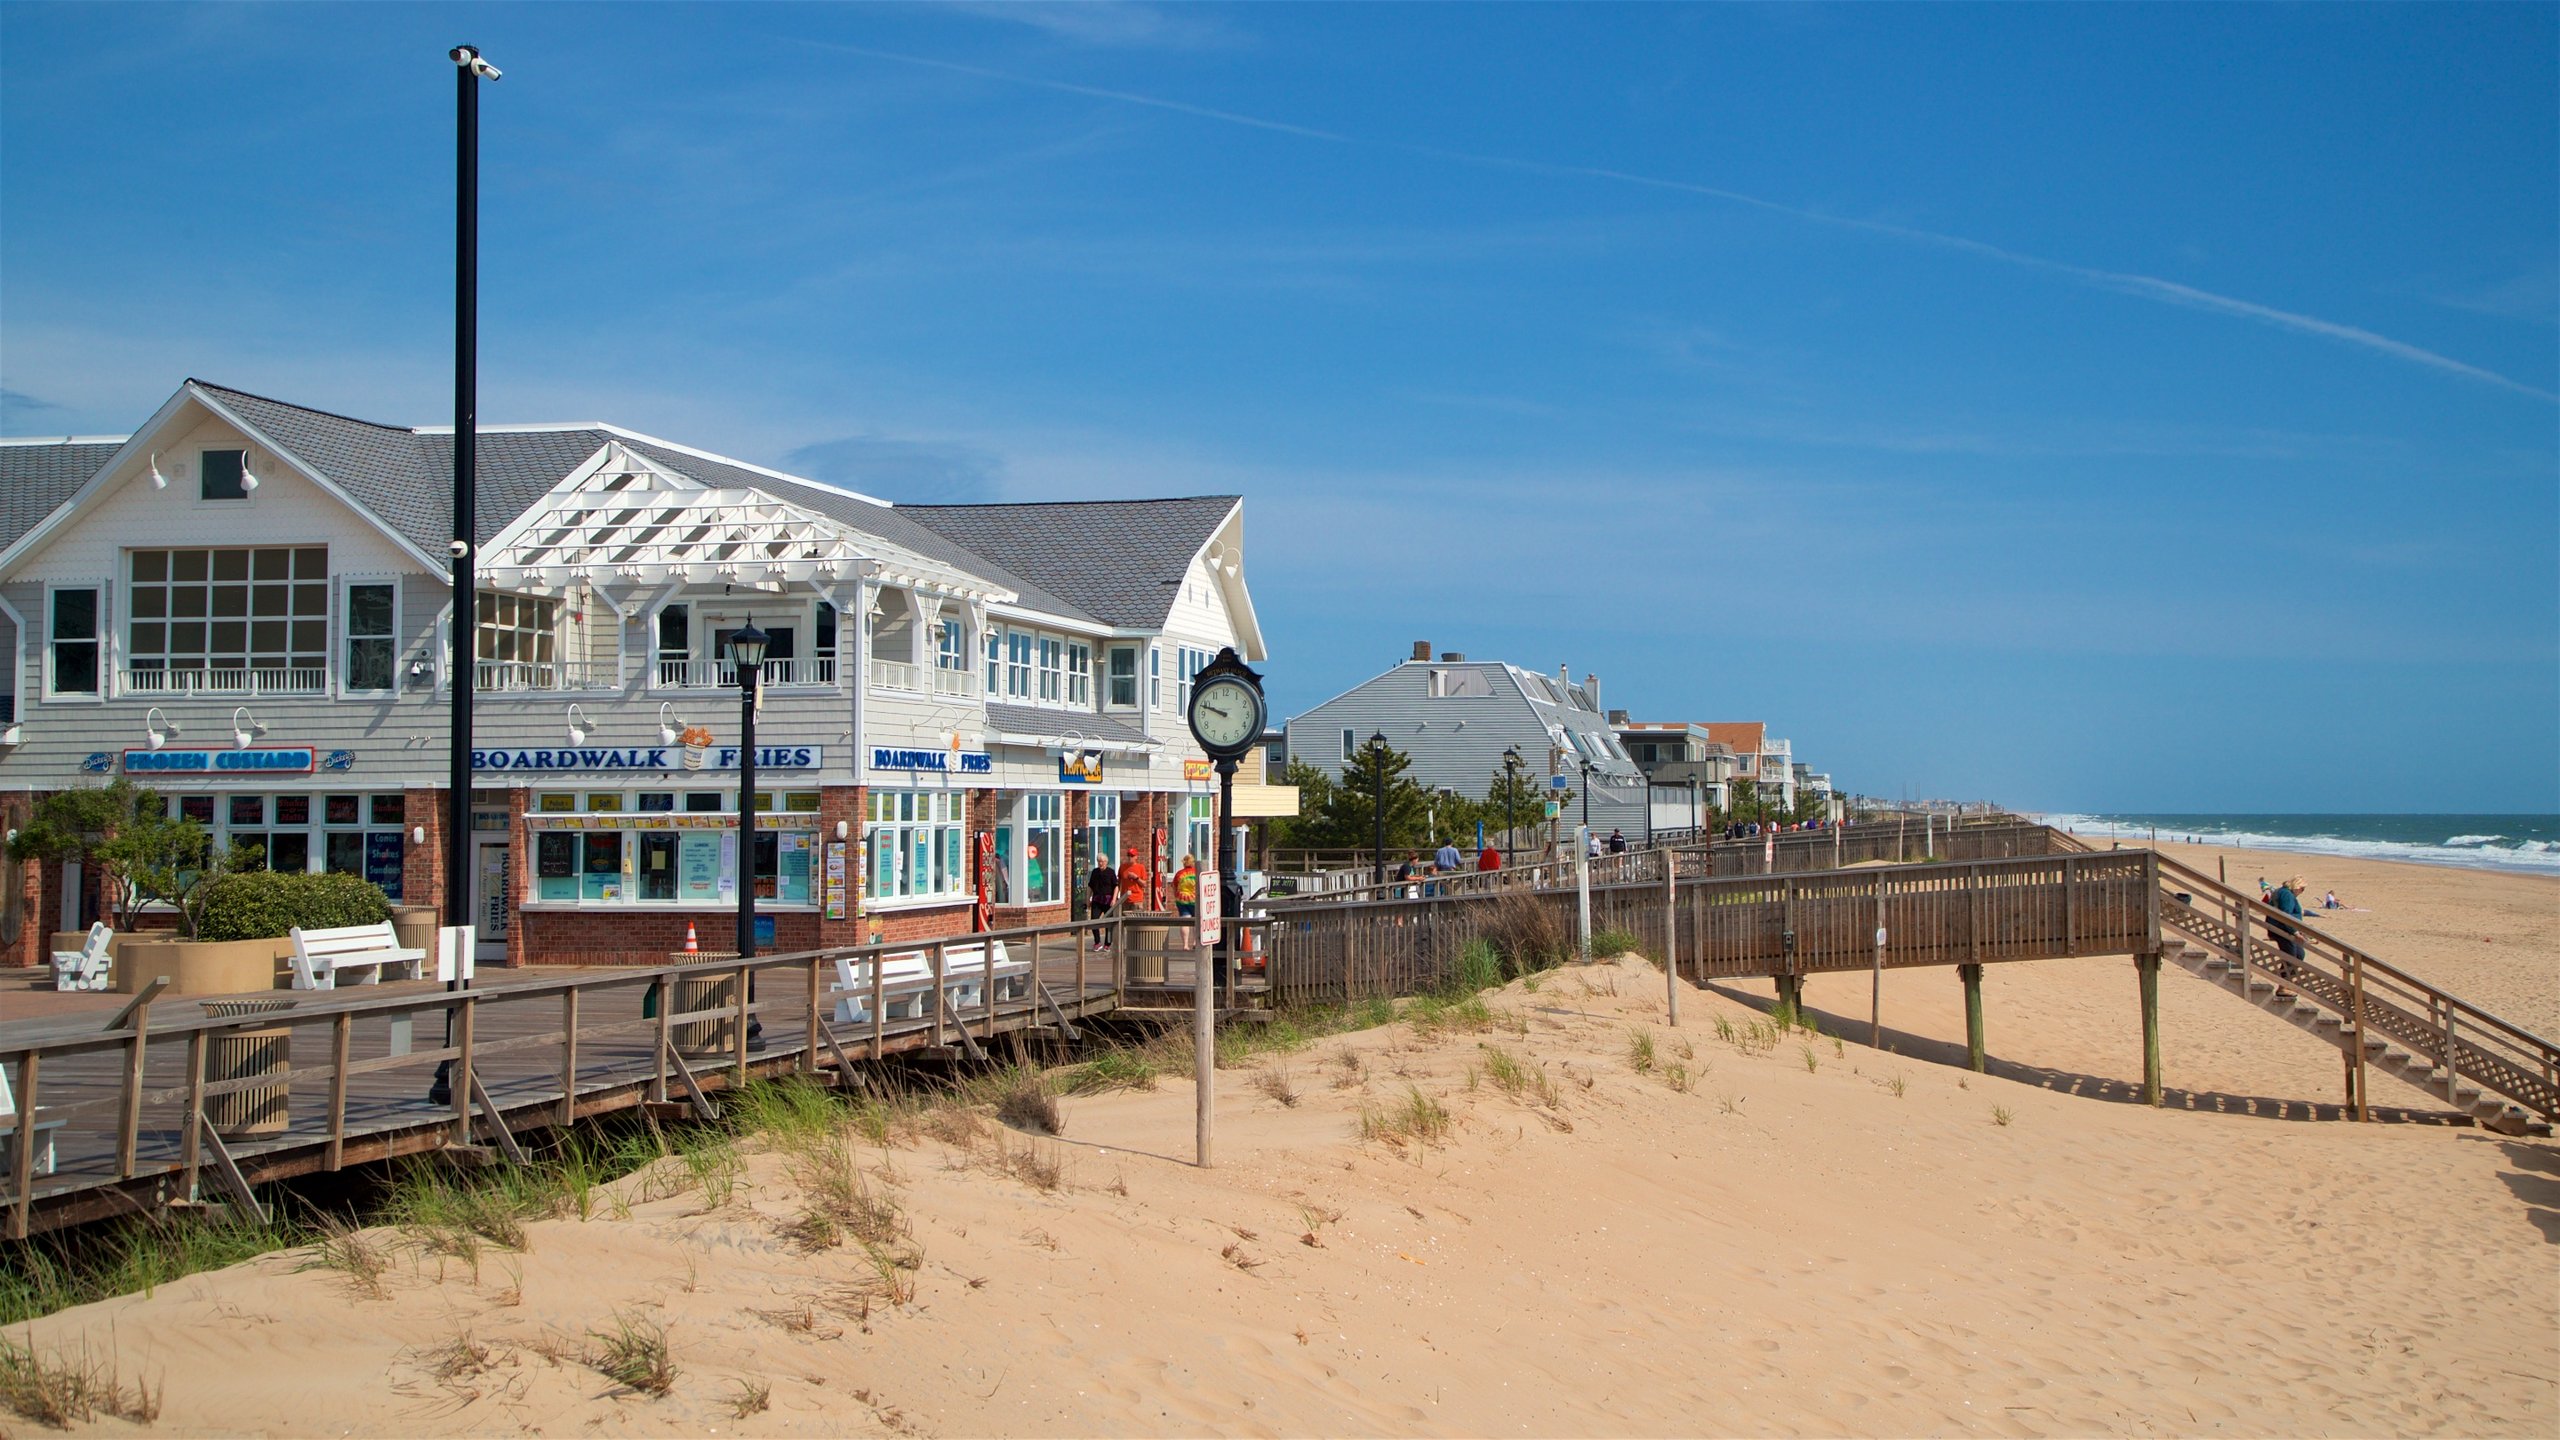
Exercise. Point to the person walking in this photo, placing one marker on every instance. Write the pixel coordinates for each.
(1101, 887)
(1617, 842)
(2287, 900)
(1133, 885)
(1449, 859)
(1490, 860)
(1186, 887)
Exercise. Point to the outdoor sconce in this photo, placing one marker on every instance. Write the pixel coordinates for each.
(581, 724)
(417, 834)
(248, 482)
(244, 726)
(158, 726)
(670, 729)
(843, 829)
(158, 480)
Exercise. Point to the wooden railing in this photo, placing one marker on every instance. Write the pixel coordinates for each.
(1941, 913)
(135, 1113)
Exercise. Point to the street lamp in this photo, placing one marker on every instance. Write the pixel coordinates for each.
(746, 653)
(469, 71)
(1510, 798)
(1586, 800)
(1378, 774)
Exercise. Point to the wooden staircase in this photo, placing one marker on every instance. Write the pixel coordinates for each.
(2379, 1017)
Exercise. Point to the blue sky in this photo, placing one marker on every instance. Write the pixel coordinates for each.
(2083, 406)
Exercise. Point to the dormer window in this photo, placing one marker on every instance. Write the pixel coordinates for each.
(221, 475)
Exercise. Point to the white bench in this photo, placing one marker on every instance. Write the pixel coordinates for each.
(906, 978)
(86, 967)
(10, 1120)
(364, 951)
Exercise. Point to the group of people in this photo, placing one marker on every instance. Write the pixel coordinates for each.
(1447, 860)
(1126, 887)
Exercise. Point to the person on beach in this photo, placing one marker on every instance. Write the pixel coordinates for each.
(1186, 887)
(2331, 901)
(1101, 887)
(2287, 901)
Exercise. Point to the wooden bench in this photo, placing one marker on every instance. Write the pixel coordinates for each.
(906, 978)
(365, 951)
(85, 968)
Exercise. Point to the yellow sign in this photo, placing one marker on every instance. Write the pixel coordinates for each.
(1197, 770)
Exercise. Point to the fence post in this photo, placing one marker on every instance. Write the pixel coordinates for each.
(1582, 884)
(1875, 993)
(23, 1161)
(2147, 967)
(1972, 976)
(568, 1057)
(2355, 985)
(809, 1041)
(1671, 935)
(462, 1073)
(664, 995)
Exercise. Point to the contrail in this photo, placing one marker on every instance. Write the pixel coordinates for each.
(2147, 287)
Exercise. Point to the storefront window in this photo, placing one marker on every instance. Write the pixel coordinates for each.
(1203, 818)
(333, 834)
(1102, 815)
(606, 848)
(1043, 854)
(914, 841)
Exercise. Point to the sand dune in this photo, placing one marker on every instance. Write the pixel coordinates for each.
(1813, 1238)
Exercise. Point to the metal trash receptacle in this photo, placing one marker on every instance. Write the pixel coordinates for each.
(244, 1055)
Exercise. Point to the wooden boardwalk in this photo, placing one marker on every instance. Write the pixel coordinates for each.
(342, 1077)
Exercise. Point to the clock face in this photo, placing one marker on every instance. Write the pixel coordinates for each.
(1226, 715)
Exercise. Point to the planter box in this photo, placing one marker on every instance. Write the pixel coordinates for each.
(201, 967)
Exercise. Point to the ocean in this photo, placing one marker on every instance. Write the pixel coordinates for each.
(2529, 843)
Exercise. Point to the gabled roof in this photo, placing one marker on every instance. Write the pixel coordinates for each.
(1122, 561)
(1740, 736)
(36, 476)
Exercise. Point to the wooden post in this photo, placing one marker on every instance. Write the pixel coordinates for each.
(809, 1039)
(23, 1160)
(191, 1138)
(2355, 990)
(2147, 968)
(939, 998)
(1671, 935)
(1972, 976)
(462, 1073)
(738, 1042)
(568, 1057)
(129, 1124)
(341, 1041)
(1875, 995)
(879, 1010)
(664, 994)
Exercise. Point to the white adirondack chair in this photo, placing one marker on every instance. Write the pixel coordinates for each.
(85, 968)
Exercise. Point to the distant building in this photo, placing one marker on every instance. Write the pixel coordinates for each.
(1676, 755)
(1456, 717)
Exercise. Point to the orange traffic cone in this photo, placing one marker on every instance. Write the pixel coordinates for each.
(692, 946)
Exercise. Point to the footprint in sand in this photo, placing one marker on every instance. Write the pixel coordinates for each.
(1897, 1374)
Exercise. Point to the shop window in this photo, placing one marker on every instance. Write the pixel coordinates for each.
(656, 801)
(605, 802)
(210, 619)
(914, 841)
(1123, 691)
(705, 802)
(1043, 855)
(1102, 823)
(75, 642)
(657, 867)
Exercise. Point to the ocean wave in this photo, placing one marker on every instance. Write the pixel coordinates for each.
(2534, 857)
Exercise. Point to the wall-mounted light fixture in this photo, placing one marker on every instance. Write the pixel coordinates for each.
(248, 482)
(158, 480)
(581, 724)
(843, 829)
(244, 728)
(158, 727)
(670, 729)
(417, 834)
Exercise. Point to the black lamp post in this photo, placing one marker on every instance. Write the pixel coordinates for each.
(1510, 797)
(1378, 774)
(1586, 801)
(746, 652)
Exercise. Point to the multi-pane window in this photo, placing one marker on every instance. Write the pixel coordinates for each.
(1053, 678)
(74, 636)
(1202, 817)
(1017, 664)
(1043, 858)
(337, 834)
(1192, 662)
(1102, 822)
(951, 651)
(372, 646)
(205, 612)
(1155, 678)
(914, 843)
(223, 475)
(1122, 682)
(675, 849)
(518, 634)
(1079, 674)
(995, 662)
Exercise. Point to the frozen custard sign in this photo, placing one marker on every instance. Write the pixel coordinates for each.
(643, 758)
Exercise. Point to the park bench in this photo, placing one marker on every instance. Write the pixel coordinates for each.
(86, 967)
(10, 1120)
(906, 978)
(365, 951)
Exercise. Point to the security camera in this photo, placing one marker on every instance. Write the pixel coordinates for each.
(459, 548)
(468, 57)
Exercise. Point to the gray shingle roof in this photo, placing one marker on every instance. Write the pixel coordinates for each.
(1121, 561)
(1033, 720)
(35, 478)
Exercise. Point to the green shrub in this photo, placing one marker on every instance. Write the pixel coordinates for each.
(1610, 944)
(268, 905)
(1479, 968)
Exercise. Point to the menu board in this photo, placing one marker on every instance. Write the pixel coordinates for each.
(835, 878)
(555, 867)
(700, 874)
(382, 861)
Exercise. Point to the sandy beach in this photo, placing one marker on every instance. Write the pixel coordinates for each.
(1799, 1237)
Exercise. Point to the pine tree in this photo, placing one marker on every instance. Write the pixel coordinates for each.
(1351, 811)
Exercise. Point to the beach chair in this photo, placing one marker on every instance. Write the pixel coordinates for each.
(10, 1120)
(362, 951)
(85, 968)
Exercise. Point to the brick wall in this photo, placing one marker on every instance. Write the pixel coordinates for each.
(838, 803)
(23, 904)
(644, 937)
(422, 866)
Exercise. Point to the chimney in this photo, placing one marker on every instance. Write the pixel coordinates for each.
(1451, 657)
(1618, 717)
(1421, 649)
(1591, 688)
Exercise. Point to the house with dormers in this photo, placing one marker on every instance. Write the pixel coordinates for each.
(246, 604)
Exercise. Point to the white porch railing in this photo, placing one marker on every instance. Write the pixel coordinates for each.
(504, 675)
(285, 680)
(721, 675)
(922, 679)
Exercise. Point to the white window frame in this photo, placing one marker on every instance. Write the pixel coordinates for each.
(1350, 744)
(1021, 660)
(245, 499)
(1102, 812)
(1108, 675)
(1080, 674)
(343, 638)
(100, 622)
(1025, 826)
(1155, 677)
(951, 645)
(1051, 651)
(939, 816)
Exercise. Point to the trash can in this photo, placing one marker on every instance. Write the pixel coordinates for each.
(243, 1055)
(416, 926)
(1146, 957)
(706, 1039)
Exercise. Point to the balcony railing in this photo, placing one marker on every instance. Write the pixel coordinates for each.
(922, 680)
(502, 675)
(255, 680)
(721, 675)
